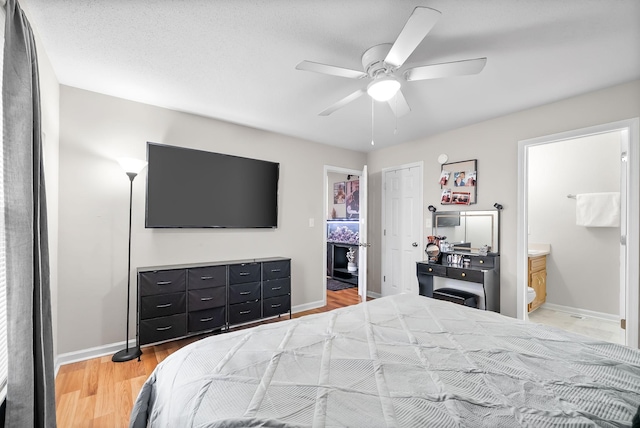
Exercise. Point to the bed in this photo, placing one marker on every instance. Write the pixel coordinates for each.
(398, 361)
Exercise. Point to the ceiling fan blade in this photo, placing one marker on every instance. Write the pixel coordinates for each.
(418, 25)
(343, 102)
(399, 104)
(446, 69)
(330, 69)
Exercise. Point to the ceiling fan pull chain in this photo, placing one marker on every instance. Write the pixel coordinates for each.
(395, 129)
(372, 107)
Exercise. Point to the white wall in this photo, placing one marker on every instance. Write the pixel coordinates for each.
(494, 143)
(583, 267)
(94, 198)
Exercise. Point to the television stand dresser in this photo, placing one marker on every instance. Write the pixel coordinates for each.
(184, 300)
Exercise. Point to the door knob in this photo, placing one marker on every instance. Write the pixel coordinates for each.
(415, 244)
(364, 244)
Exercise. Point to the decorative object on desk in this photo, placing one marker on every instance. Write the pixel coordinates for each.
(333, 213)
(351, 257)
(339, 197)
(131, 167)
(465, 175)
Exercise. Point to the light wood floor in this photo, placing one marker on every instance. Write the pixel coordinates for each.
(100, 393)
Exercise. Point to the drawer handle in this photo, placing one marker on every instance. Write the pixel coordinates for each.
(276, 306)
(276, 270)
(464, 274)
(205, 278)
(275, 288)
(206, 299)
(244, 293)
(166, 305)
(164, 328)
(430, 269)
(163, 282)
(481, 261)
(244, 273)
(245, 312)
(206, 319)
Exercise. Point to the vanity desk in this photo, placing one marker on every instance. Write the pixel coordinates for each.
(476, 271)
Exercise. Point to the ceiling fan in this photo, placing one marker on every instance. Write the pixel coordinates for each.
(382, 63)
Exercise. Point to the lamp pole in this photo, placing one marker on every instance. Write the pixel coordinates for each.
(128, 354)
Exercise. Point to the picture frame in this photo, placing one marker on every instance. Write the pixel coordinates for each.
(461, 183)
(339, 194)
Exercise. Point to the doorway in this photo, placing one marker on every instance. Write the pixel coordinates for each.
(403, 232)
(580, 279)
(344, 243)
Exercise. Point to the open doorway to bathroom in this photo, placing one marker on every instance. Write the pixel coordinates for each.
(579, 267)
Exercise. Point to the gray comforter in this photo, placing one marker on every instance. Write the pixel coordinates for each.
(401, 361)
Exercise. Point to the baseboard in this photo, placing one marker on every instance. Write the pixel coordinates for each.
(308, 306)
(87, 354)
(585, 312)
(373, 294)
(101, 351)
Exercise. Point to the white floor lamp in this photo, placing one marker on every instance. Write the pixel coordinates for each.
(132, 167)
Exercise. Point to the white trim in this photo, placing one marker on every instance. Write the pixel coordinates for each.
(309, 306)
(584, 312)
(633, 216)
(89, 353)
(383, 241)
(373, 295)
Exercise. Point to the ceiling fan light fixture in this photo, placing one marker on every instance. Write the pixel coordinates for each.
(383, 88)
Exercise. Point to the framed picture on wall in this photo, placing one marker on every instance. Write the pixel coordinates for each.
(339, 195)
(462, 181)
(353, 199)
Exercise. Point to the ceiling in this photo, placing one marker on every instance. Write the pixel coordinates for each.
(235, 60)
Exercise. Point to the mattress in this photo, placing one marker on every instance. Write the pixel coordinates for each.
(398, 361)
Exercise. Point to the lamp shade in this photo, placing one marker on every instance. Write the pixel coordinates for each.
(132, 165)
(383, 88)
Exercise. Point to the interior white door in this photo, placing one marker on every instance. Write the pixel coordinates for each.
(624, 150)
(362, 234)
(402, 233)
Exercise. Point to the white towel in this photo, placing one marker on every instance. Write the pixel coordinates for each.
(598, 209)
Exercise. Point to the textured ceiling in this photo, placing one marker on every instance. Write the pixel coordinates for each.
(235, 60)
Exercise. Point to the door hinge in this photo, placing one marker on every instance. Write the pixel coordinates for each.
(623, 324)
(385, 232)
(623, 240)
(623, 156)
(384, 278)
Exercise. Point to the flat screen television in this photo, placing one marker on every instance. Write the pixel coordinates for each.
(188, 188)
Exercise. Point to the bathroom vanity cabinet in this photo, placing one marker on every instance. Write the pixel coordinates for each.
(538, 280)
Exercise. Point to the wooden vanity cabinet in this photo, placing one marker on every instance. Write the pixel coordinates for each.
(538, 280)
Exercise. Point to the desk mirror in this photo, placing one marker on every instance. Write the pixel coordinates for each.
(468, 231)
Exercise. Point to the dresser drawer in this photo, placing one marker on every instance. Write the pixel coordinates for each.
(244, 312)
(276, 287)
(246, 272)
(207, 298)
(207, 319)
(162, 281)
(239, 293)
(432, 269)
(276, 306)
(465, 274)
(164, 328)
(274, 270)
(207, 277)
(483, 262)
(162, 305)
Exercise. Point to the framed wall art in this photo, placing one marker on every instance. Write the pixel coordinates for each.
(459, 181)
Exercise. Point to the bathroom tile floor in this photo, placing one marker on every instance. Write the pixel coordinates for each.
(588, 326)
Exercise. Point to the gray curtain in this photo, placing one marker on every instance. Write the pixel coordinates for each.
(30, 386)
